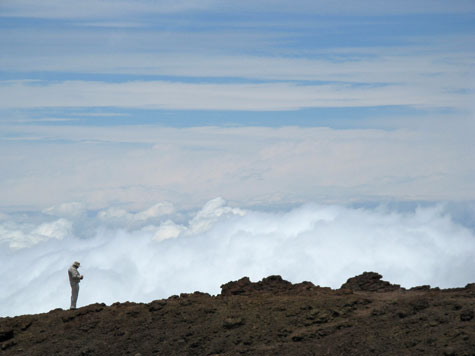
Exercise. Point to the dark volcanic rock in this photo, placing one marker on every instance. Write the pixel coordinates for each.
(6, 335)
(467, 315)
(271, 284)
(370, 282)
(421, 288)
(270, 317)
(236, 287)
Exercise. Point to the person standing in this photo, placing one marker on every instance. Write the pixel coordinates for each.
(74, 279)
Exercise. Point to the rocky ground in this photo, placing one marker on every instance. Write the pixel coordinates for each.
(367, 316)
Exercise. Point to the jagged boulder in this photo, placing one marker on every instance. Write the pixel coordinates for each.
(236, 287)
(369, 282)
(271, 284)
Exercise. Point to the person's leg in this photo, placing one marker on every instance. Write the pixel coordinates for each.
(74, 295)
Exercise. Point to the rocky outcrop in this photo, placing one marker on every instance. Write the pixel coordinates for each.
(369, 282)
(272, 284)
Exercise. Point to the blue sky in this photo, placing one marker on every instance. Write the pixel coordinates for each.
(315, 88)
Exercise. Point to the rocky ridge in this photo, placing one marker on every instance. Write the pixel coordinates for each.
(366, 316)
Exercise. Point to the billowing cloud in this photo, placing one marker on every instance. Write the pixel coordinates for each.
(20, 236)
(123, 217)
(213, 211)
(67, 210)
(218, 243)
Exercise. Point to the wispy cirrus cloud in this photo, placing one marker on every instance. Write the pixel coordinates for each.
(69, 9)
(208, 64)
(208, 96)
(382, 66)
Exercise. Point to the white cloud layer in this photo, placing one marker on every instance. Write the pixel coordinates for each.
(134, 167)
(323, 244)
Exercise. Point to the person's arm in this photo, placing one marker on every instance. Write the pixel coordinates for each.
(76, 276)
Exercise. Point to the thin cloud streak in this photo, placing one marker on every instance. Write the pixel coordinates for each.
(113, 9)
(425, 60)
(190, 96)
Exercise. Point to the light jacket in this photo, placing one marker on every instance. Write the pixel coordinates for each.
(74, 275)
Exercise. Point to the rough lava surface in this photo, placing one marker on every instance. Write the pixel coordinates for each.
(366, 316)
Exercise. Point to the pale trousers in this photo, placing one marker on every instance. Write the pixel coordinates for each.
(74, 295)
